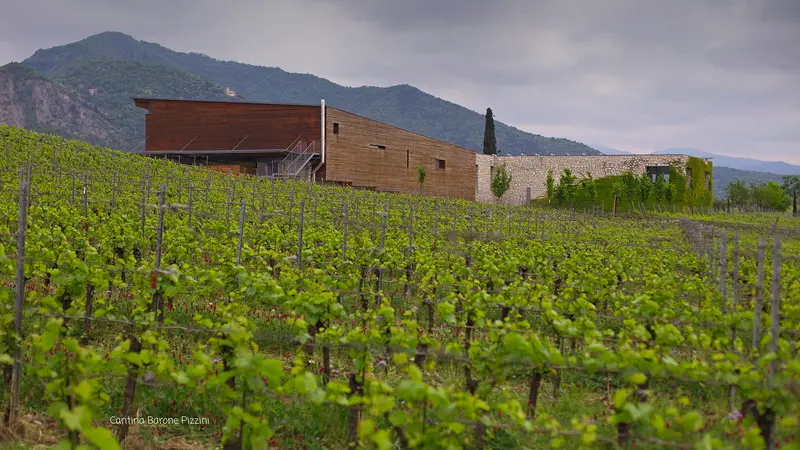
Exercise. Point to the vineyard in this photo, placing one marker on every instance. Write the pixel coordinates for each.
(145, 303)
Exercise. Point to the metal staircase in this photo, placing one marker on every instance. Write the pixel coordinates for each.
(295, 164)
(298, 158)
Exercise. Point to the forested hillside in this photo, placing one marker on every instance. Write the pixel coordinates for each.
(114, 82)
(30, 100)
(403, 106)
(723, 176)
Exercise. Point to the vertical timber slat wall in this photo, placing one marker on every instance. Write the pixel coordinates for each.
(375, 155)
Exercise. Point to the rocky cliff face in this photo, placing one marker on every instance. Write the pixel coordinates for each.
(29, 100)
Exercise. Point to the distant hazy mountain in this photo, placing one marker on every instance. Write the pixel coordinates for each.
(727, 168)
(750, 164)
(723, 176)
(610, 151)
(742, 164)
(119, 67)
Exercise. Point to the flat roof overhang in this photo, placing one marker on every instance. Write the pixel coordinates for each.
(142, 102)
(218, 152)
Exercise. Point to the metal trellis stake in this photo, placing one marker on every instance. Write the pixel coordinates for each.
(20, 295)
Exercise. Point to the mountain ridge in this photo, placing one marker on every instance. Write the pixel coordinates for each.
(738, 163)
(402, 105)
(723, 176)
(151, 80)
(609, 151)
(117, 66)
(746, 164)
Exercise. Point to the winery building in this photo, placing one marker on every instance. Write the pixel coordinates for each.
(331, 146)
(321, 142)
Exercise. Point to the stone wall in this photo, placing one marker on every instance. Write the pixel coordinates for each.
(531, 171)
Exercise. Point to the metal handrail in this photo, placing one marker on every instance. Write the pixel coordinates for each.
(292, 151)
(299, 153)
(291, 148)
(299, 156)
(303, 159)
(294, 142)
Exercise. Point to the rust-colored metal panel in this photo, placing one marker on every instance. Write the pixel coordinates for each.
(374, 155)
(215, 125)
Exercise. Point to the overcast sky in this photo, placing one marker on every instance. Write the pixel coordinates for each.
(639, 75)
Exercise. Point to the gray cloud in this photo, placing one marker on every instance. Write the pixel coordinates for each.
(720, 75)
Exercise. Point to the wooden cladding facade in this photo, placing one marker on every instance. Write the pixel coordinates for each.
(235, 169)
(219, 125)
(366, 153)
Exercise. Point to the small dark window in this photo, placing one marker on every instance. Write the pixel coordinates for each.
(440, 164)
(408, 157)
(378, 146)
(335, 128)
(656, 172)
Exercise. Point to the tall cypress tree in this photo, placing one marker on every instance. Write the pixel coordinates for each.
(489, 141)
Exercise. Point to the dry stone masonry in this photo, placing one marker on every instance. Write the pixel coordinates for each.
(530, 172)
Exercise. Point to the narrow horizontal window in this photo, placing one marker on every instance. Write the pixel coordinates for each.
(378, 146)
